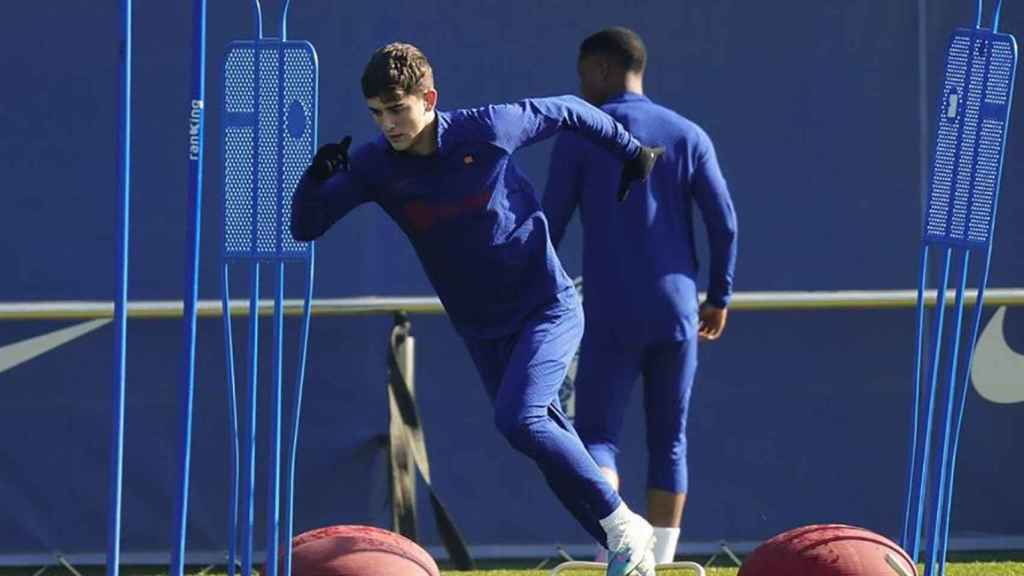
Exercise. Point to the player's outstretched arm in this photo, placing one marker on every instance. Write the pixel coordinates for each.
(531, 120)
(522, 123)
(326, 192)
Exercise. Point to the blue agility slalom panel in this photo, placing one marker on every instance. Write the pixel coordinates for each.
(974, 108)
(972, 125)
(274, 114)
(269, 136)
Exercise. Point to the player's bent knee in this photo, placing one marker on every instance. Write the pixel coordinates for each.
(603, 453)
(519, 429)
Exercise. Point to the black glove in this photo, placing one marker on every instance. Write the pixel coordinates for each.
(638, 168)
(330, 158)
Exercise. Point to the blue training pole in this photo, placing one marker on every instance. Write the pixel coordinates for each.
(909, 512)
(195, 201)
(274, 445)
(942, 455)
(254, 294)
(296, 413)
(933, 375)
(976, 324)
(284, 20)
(121, 299)
(289, 480)
(229, 346)
(289, 502)
(274, 485)
(250, 439)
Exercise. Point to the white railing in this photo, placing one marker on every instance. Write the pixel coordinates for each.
(765, 301)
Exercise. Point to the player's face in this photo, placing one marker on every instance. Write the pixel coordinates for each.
(403, 121)
(593, 72)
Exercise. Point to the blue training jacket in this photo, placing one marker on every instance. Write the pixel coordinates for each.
(471, 215)
(639, 259)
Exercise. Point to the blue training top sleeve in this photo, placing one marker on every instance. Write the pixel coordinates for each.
(562, 192)
(528, 121)
(316, 206)
(712, 197)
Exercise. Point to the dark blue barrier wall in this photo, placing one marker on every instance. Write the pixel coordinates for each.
(798, 417)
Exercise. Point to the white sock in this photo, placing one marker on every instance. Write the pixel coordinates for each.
(615, 524)
(665, 541)
(620, 517)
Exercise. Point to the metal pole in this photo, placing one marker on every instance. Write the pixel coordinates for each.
(121, 299)
(193, 226)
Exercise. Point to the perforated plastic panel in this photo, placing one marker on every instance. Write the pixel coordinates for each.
(973, 113)
(269, 137)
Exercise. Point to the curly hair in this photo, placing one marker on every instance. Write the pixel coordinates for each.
(396, 70)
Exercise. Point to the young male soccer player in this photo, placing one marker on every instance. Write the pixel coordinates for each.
(448, 180)
(640, 270)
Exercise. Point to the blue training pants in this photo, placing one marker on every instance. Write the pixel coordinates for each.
(604, 381)
(522, 374)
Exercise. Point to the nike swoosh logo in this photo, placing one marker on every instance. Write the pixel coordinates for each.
(12, 355)
(998, 370)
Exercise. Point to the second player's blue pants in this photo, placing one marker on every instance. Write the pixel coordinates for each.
(608, 368)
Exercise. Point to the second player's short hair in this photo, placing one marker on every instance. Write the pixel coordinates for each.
(397, 70)
(619, 43)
